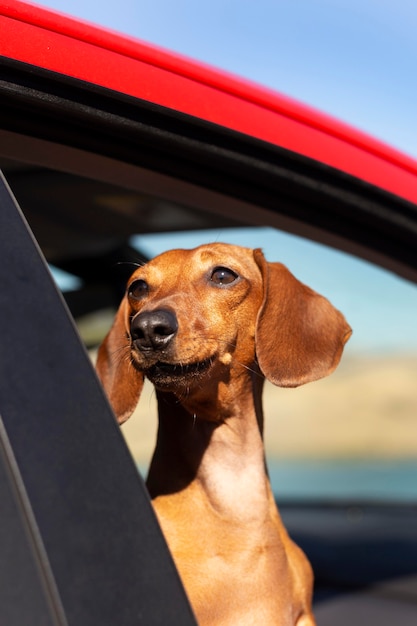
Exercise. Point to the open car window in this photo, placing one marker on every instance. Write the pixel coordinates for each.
(341, 468)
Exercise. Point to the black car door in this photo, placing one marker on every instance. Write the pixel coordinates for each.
(78, 537)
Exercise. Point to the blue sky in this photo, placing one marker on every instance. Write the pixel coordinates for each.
(355, 60)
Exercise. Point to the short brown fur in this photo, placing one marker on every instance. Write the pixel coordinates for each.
(207, 478)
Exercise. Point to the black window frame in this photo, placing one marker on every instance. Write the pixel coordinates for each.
(286, 189)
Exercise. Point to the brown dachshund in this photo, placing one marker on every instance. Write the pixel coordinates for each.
(206, 326)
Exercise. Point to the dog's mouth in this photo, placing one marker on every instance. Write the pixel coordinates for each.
(163, 374)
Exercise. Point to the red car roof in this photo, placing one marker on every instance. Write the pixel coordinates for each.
(74, 48)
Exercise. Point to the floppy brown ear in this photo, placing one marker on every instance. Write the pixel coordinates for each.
(300, 335)
(121, 381)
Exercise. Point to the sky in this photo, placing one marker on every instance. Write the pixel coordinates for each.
(353, 59)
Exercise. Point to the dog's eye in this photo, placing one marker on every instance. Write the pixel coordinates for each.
(138, 289)
(223, 276)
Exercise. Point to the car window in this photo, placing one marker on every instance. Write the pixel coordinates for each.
(350, 436)
(341, 452)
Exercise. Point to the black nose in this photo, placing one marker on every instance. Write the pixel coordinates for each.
(153, 330)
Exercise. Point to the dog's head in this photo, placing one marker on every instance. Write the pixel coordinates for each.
(193, 316)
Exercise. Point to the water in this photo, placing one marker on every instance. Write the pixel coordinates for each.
(374, 481)
(370, 481)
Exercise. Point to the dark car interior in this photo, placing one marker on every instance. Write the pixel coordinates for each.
(86, 169)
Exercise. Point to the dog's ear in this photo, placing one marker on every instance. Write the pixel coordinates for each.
(299, 335)
(121, 381)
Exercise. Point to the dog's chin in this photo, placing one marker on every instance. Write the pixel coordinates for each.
(174, 376)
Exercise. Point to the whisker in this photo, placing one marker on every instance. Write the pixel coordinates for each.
(133, 263)
(118, 351)
(250, 369)
(151, 396)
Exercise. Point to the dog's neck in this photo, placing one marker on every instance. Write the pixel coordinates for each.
(223, 460)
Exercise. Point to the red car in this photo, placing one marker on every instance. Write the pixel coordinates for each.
(102, 138)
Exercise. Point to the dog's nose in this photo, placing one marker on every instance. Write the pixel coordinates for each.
(153, 330)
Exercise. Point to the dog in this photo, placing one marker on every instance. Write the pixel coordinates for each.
(206, 327)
